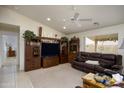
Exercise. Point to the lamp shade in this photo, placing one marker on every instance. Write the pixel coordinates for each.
(122, 44)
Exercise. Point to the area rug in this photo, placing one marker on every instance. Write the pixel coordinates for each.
(60, 76)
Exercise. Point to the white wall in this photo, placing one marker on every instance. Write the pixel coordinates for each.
(102, 31)
(0, 49)
(11, 17)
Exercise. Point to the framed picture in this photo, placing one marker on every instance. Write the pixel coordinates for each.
(36, 51)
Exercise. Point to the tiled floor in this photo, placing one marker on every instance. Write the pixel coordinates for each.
(23, 81)
(10, 77)
(60, 76)
(7, 76)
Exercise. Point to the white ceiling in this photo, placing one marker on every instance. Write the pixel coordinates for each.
(104, 15)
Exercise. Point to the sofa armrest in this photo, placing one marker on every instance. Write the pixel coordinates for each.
(118, 60)
(117, 67)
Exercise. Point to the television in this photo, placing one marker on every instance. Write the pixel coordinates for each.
(50, 49)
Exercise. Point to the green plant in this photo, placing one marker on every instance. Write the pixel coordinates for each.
(64, 39)
(29, 35)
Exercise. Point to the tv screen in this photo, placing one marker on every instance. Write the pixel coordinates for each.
(50, 49)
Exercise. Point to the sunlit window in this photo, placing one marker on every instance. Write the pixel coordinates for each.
(102, 45)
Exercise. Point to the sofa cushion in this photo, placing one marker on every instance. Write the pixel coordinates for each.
(98, 69)
(117, 67)
(108, 57)
(95, 55)
(93, 58)
(80, 59)
(85, 54)
(92, 62)
(106, 63)
(88, 66)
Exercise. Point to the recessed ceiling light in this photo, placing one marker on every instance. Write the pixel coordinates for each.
(64, 27)
(48, 19)
(64, 20)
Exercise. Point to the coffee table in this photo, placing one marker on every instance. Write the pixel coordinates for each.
(90, 82)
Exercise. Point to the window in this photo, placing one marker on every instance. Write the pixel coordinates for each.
(102, 44)
(90, 45)
(107, 47)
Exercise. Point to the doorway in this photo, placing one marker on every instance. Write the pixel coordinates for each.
(9, 51)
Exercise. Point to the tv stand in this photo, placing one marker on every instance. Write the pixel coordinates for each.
(49, 61)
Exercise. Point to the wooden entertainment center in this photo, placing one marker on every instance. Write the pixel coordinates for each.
(53, 60)
(34, 48)
(32, 55)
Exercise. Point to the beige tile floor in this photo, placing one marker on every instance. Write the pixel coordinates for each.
(22, 81)
(10, 77)
(7, 77)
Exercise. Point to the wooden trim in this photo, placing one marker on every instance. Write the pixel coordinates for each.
(48, 38)
(40, 31)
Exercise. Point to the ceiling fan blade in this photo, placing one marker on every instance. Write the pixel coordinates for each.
(73, 8)
(78, 24)
(87, 19)
(76, 15)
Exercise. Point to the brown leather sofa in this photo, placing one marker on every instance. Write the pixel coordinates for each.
(106, 61)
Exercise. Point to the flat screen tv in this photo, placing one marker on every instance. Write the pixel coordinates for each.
(50, 49)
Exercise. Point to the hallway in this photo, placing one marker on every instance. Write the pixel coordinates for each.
(8, 75)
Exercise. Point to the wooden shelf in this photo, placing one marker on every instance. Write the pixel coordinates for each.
(48, 38)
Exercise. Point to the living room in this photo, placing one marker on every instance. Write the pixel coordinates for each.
(51, 25)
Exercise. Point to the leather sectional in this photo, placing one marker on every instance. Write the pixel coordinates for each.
(106, 61)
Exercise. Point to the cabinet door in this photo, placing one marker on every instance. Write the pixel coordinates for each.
(64, 59)
(28, 51)
(36, 62)
(32, 59)
(28, 64)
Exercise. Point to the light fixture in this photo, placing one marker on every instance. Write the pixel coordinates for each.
(64, 20)
(48, 19)
(64, 27)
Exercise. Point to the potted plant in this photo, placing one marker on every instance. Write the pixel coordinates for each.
(29, 35)
(64, 39)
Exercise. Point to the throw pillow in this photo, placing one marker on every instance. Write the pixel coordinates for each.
(92, 62)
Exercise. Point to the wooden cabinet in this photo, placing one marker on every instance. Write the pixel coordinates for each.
(73, 48)
(32, 59)
(74, 45)
(64, 52)
(63, 59)
(71, 56)
(50, 61)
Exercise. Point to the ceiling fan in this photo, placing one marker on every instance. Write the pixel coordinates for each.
(75, 19)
